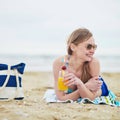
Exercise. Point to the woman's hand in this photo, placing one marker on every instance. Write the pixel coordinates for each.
(70, 79)
(94, 84)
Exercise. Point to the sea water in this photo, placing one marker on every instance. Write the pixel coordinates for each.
(108, 63)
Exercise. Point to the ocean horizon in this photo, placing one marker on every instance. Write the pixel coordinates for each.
(109, 63)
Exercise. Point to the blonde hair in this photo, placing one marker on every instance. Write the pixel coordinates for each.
(78, 36)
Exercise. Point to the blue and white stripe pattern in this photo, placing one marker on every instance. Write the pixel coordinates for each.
(11, 81)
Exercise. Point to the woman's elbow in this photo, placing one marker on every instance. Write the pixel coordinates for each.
(61, 98)
(95, 95)
(92, 97)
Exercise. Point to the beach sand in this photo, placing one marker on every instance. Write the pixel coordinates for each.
(33, 107)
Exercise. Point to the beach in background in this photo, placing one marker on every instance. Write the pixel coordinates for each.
(38, 77)
(109, 63)
(35, 32)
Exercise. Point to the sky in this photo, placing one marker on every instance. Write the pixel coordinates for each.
(43, 26)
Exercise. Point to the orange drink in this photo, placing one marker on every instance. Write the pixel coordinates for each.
(61, 85)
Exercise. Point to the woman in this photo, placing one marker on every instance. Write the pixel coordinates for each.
(83, 70)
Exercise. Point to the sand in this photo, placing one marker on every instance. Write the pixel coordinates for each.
(33, 107)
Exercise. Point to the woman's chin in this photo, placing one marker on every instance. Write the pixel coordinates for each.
(89, 59)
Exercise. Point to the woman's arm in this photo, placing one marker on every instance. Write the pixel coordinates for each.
(60, 94)
(86, 93)
(92, 88)
(83, 91)
(94, 66)
(94, 84)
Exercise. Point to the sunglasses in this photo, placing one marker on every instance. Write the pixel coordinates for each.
(90, 46)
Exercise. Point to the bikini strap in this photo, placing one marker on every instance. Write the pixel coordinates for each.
(66, 62)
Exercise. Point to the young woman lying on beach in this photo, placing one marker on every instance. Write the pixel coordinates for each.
(82, 74)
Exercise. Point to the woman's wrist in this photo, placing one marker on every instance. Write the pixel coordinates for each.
(87, 86)
(79, 84)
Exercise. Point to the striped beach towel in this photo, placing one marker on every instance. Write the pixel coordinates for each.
(50, 97)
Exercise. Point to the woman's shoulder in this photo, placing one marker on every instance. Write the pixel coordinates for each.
(94, 61)
(60, 60)
(94, 65)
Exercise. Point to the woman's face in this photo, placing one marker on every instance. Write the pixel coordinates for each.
(85, 50)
